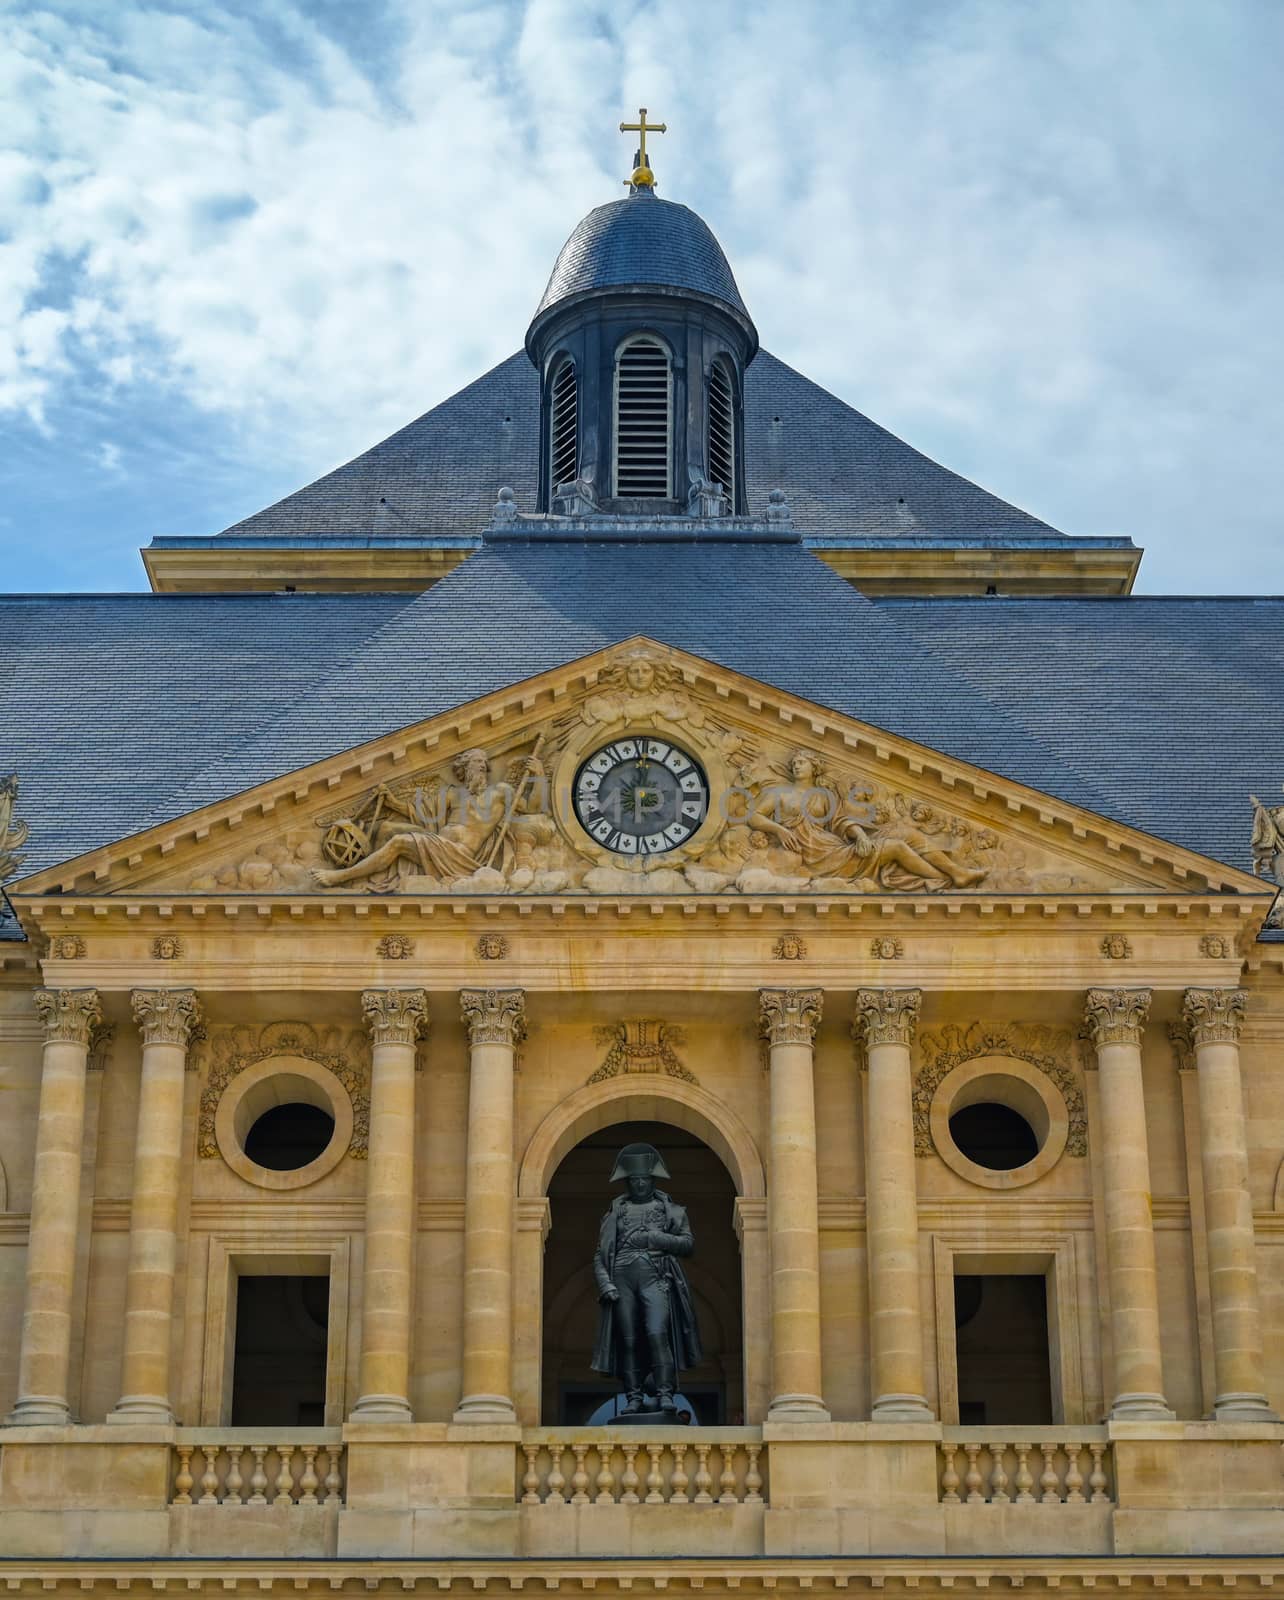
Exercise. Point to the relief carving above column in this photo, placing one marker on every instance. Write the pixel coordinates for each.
(395, 1016)
(69, 1015)
(886, 1016)
(789, 1016)
(228, 1050)
(1214, 1016)
(494, 1016)
(166, 1016)
(1116, 1016)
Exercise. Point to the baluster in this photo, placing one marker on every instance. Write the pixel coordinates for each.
(209, 1478)
(579, 1479)
(285, 1477)
(753, 1478)
(333, 1480)
(703, 1478)
(654, 1477)
(1048, 1480)
(184, 1480)
(530, 1479)
(950, 1478)
(1097, 1477)
(629, 1480)
(998, 1477)
(308, 1482)
(1024, 1481)
(605, 1477)
(556, 1477)
(235, 1482)
(258, 1477)
(1074, 1478)
(972, 1479)
(678, 1483)
(727, 1480)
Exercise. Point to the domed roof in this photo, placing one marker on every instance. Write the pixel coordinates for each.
(642, 242)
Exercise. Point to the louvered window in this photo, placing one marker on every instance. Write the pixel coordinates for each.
(643, 406)
(564, 426)
(722, 430)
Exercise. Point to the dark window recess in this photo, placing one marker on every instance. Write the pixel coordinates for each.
(564, 423)
(288, 1137)
(1004, 1365)
(642, 421)
(722, 430)
(278, 1367)
(994, 1136)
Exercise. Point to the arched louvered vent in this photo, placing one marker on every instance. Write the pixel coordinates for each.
(564, 426)
(643, 403)
(722, 430)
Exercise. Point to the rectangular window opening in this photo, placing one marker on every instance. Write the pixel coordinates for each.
(281, 1351)
(1004, 1351)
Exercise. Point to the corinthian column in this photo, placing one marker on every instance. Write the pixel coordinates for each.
(884, 1023)
(1115, 1018)
(396, 1018)
(788, 1020)
(496, 1022)
(1214, 1017)
(70, 1016)
(167, 1018)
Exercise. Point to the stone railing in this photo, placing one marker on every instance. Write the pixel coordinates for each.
(1026, 1466)
(257, 1467)
(642, 1466)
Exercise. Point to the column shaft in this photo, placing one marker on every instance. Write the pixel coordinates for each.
(885, 1021)
(70, 1015)
(166, 1017)
(1115, 1018)
(1214, 1017)
(396, 1018)
(789, 1018)
(496, 1023)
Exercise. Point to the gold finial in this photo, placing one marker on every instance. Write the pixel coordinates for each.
(643, 177)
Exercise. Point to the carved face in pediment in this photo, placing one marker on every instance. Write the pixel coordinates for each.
(649, 783)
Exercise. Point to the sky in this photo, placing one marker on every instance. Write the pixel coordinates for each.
(1041, 240)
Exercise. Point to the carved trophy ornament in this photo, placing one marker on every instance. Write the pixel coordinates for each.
(13, 833)
(638, 788)
(1268, 853)
(647, 1332)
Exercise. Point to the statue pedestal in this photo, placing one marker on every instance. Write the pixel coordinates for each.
(647, 1419)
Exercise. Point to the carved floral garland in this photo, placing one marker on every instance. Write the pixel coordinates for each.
(1043, 1047)
(228, 1051)
(640, 1044)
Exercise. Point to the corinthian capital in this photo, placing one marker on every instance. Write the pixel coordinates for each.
(166, 1016)
(789, 1016)
(1116, 1016)
(1215, 1016)
(69, 1015)
(494, 1016)
(886, 1016)
(395, 1016)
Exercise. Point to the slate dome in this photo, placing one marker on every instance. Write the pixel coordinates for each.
(642, 242)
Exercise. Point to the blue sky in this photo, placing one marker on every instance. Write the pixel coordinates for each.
(241, 242)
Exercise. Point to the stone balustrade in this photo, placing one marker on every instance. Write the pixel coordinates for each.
(1030, 1466)
(257, 1467)
(642, 1466)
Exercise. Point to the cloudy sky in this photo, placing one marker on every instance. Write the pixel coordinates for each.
(241, 240)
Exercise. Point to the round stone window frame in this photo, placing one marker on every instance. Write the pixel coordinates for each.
(282, 1080)
(1001, 1080)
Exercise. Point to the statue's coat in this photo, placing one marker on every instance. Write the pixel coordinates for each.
(683, 1329)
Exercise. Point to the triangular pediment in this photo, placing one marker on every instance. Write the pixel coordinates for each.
(646, 770)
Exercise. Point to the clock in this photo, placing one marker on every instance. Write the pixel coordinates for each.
(641, 796)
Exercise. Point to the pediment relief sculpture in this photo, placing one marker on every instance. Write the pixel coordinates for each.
(646, 782)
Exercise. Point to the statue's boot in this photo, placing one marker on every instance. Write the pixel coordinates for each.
(664, 1385)
(633, 1390)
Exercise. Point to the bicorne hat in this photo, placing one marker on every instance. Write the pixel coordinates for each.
(639, 1160)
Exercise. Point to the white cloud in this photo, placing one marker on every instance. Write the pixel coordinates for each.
(1039, 240)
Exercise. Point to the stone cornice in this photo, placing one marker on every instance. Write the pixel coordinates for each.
(494, 1016)
(886, 1016)
(395, 1016)
(166, 1016)
(1214, 1016)
(1116, 1016)
(70, 1015)
(789, 1016)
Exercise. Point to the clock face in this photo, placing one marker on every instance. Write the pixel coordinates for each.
(641, 796)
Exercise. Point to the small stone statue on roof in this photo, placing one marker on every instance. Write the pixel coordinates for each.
(1268, 840)
(647, 1332)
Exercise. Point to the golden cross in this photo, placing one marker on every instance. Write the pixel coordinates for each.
(642, 177)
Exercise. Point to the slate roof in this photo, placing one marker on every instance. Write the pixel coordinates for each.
(845, 476)
(125, 711)
(641, 242)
